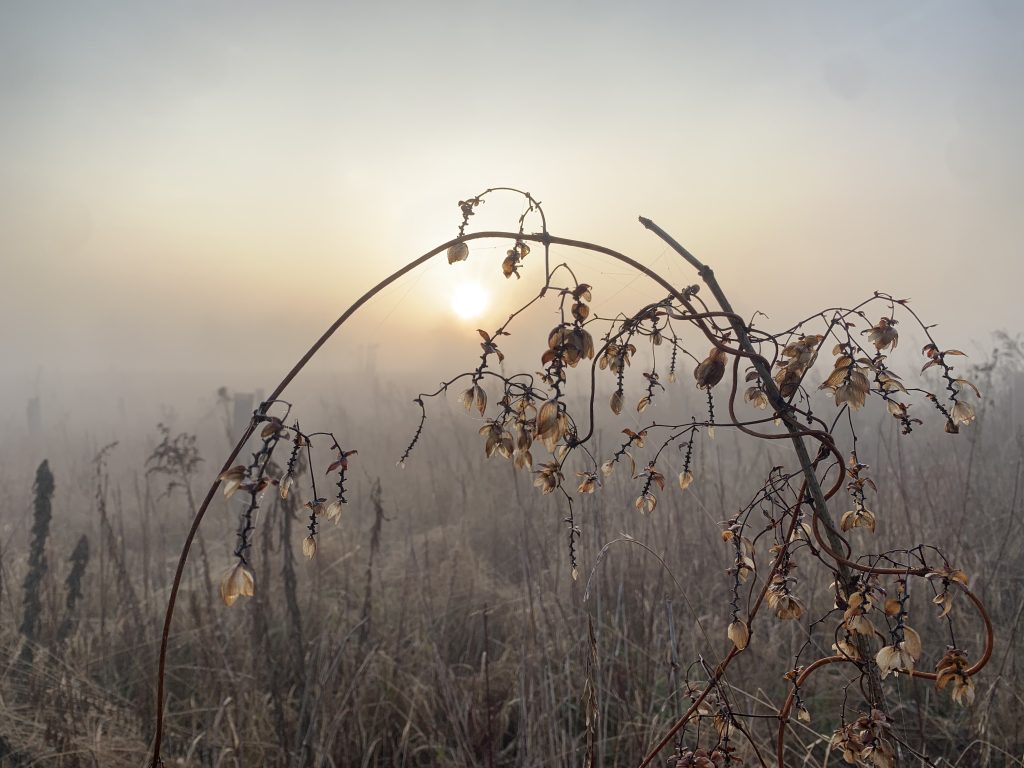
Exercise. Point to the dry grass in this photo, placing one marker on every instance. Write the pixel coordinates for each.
(318, 671)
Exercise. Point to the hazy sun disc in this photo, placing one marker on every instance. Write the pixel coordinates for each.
(469, 300)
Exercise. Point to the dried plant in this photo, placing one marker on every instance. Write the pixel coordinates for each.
(73, 583)
(762, 384)
(37, 564)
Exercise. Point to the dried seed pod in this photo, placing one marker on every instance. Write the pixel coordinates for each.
(458, 252)
(739, 633)
(710, 370)
(236, 582)
(309, 546)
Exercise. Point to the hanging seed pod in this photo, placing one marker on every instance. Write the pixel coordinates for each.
(458, 252)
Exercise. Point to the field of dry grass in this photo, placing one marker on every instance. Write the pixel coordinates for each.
(439, 625)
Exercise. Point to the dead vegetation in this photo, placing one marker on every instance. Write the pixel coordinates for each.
(562, 608)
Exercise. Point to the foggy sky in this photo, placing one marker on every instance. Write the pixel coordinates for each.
(191, 192)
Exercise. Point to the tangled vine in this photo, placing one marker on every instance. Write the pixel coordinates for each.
(761, 384)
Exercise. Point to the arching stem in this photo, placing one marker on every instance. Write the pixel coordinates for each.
(546, 239)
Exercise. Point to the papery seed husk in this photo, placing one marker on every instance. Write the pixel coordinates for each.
(309, 546)
(238, 471)
(246, 583)
(685, 479)
(547, 419)
(481, 398)
(458, 252)
(334, 510)
(616, 402)
(237, 581)
(739, 634)
(227, 590)
(912, 643)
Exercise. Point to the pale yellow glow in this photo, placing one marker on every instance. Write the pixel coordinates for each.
(215, 144)
(469, 300)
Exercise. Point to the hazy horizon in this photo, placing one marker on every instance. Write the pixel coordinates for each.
(197, 191)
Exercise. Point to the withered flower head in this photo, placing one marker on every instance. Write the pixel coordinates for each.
(616, 357)
(739, 633)
(646, 502)
(799, 357)
(236, 582)
(490, 345)
(711, 369)
(745, 564)
(522, 458)
(962, 413)
(552, 424)
(309, 546)
(867, 741)
(286, 485)
(582, 292)
(475, 395)
(273, 427)
(580, 311)
(802, 352)
(900, 656)
(854, 618)
(786, 607)
(848, 383)
(884, 334)
(846, 647)
(458, 252)
(616, 402)
(859, 517)
(685, 479)
(498, 440)
(333, 511)
(549, 477)
(233, 479)
(953, 669)
(757, 397)
(588, 482)
(569, 342)
(513, 258)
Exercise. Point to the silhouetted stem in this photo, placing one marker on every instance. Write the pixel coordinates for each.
(780, 405)
(796, 432)
(545, 238)
(745, 349)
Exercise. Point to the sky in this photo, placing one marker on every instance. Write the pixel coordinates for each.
(191, 192)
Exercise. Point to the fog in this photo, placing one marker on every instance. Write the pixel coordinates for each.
(190, 195)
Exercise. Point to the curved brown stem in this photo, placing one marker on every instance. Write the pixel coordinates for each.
(788, 705)
(744, 349)
(810, 668)
(173, 597)
(724, 663)
(543, 238)
(796, 433)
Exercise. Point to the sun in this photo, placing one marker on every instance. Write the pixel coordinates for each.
(469, 300)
